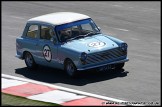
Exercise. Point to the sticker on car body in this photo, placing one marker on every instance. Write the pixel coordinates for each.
(96, 44)
(47, 53)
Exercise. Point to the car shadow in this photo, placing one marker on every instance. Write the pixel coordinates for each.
(50, 75)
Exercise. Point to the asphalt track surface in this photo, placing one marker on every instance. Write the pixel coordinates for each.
(137, 23)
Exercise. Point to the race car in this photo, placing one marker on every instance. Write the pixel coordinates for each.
(69, 41)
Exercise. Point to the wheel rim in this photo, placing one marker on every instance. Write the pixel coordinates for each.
(70, 68)
(29, 60)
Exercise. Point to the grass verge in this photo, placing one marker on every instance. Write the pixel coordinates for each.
(10, 100)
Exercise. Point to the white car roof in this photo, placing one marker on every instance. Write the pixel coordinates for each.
(59, 18)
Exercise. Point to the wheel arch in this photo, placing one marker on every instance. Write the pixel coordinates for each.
(65, 61)
(25, 53)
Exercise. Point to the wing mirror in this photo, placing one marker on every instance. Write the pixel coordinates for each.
(99, 28)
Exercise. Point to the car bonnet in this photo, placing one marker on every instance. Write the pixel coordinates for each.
(90, 44)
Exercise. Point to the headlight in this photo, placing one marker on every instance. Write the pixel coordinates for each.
(83, 56)
(123, 46)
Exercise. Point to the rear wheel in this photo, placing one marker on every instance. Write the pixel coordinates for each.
(29, 61)
(70, 68)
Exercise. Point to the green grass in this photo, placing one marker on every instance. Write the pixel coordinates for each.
(10, 100)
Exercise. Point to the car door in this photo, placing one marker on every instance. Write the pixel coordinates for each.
(47, 51)
(30, 39)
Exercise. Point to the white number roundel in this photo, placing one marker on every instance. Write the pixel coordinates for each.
(47, 53)
(96, 44)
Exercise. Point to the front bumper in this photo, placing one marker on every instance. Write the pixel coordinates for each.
(115, 62)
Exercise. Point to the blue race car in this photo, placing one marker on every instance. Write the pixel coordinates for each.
(71, 42)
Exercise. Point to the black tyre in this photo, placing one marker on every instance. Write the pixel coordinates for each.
(119, 66)
(29, 61)
(70, 68)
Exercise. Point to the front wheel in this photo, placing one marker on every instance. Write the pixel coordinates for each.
(70, 68)
(29, 61)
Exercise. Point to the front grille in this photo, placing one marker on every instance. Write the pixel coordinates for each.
(105, 56)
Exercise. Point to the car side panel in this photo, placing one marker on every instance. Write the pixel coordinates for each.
(26, 44)
(65, 53)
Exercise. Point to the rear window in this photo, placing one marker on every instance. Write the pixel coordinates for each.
(32, 31)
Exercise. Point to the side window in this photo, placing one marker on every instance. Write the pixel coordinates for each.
(32, 31)
(46, 32)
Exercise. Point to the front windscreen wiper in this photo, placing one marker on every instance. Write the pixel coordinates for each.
(75, 37)
(91, 33)
(80, 36)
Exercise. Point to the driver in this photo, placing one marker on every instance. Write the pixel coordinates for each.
(65, 34)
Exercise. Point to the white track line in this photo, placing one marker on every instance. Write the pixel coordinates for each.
(122, 29)
(119, 29)
(116, 5)
(10, 83)
(16, 17)
(156, 42)
(134, 39)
